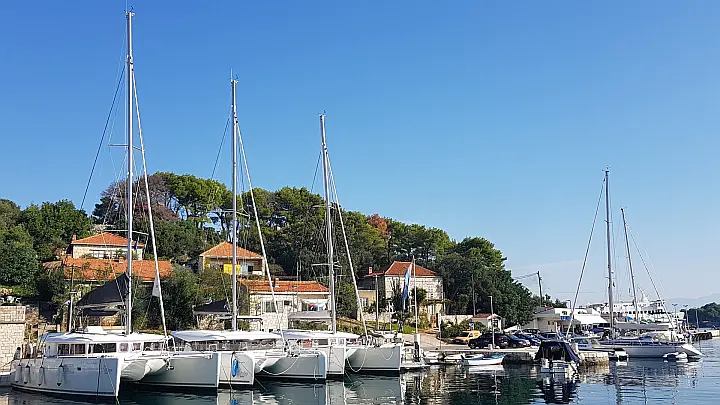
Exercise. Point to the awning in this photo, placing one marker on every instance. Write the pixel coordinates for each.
(315, 301)
(589, 319)
(213, 308)
(99, 311)
(111, 293)
(315, 316)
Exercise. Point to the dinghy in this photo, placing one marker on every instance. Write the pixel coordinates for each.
(481, 360)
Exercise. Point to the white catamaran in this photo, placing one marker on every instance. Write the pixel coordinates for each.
(94, 362)
(245, 355)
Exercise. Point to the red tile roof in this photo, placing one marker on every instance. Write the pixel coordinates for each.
(284, 286)
(224, 249)
(485, 316)
(105, 269)
(399, 269)
(104, 239)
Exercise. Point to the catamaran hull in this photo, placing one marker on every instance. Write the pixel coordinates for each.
(78, 376)
(237, 369)
(186, 370)
(335, 357)
(307, 366)
(136, 369)
(375, 359)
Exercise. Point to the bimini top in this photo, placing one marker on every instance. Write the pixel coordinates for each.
(556, 350)
(99, 337)
(221, 335)
(315, 334)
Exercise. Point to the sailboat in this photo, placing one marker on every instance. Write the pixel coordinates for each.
(343, 350)
(94, 362)
(652, 345)
(245, 355)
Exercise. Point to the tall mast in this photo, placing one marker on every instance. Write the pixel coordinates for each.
(328, 226)
(233, 82)
(129, 185)
(632, 276)
(609, 255)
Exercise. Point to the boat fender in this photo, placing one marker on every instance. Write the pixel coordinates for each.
(235, 366)
(60, 375)
(26, 374)
(41, 375)
(233, 401)
(18, 372)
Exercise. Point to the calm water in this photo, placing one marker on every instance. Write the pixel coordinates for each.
(636, 382)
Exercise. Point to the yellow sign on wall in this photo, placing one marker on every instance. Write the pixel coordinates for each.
(227, 268)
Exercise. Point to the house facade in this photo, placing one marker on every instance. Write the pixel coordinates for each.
(386, 283)
(487, 320)
(104, 245)
(291, 297)
(220, 255)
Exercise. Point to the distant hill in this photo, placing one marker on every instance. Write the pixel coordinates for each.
(693, 302)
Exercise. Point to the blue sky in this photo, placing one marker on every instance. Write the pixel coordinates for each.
(480, 118)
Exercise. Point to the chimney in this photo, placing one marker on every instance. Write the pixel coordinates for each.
(74, 238)
(370, 270)
(275, 284)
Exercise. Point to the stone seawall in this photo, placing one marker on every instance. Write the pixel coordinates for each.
(12, 332)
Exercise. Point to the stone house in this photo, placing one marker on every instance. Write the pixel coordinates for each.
(385, 283)
(486, 320)
(291, 297)
(220, 255)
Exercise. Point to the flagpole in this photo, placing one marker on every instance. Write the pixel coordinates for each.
(415, 288)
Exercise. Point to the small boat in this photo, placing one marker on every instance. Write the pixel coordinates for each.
(481, 360)
(557, 358)
(586, 344)
(676, 356)
(433, 358)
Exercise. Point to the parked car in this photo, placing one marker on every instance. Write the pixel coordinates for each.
(465, 336)
(484, 340)
(516, 342)
(552, 335)
(530, 338)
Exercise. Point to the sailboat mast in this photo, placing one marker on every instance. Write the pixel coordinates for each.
(632, 275)
(129, 184)
(233, 82)
(328, 227)
(609, 254)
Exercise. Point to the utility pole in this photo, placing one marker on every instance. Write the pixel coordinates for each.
(542, 299)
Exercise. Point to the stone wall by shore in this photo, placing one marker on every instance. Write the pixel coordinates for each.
(12, 332)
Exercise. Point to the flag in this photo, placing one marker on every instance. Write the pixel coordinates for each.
(406, 288)
(156, 286)
(135, 246)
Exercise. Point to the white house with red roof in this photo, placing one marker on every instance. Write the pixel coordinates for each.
(104, 245)
(393, 279)
(291, 297)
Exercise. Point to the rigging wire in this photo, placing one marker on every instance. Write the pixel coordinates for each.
(587, 250)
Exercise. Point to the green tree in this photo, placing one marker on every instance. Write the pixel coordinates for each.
(50, 286)
(18, 260)
(9, 214)
(180, 293)
(182, 241)
(52, 226)
(345, 300)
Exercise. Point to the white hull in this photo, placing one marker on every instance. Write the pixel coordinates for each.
(306, 365)
(656, 350)
(87, 376)
(237, 368)
(335, 358)
(367, 359)
(186, 370)
(136, 369)
(482, 361)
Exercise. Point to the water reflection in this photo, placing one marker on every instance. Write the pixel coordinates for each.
(634, 382)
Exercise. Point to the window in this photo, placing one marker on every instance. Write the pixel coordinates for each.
(364, 302)
(250, 268)
(98, 254)
(104, 348)
(270, 306)
(123, 347)
(77, 348)
(63, 349)
(136, 346)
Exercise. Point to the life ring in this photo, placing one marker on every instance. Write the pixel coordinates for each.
(235, 366)
(41, 375)
(60, 375)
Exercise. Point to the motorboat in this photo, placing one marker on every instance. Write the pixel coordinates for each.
(557, 357)
(587, 344)
(482, 360)
(246, 355)
(652, 345)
